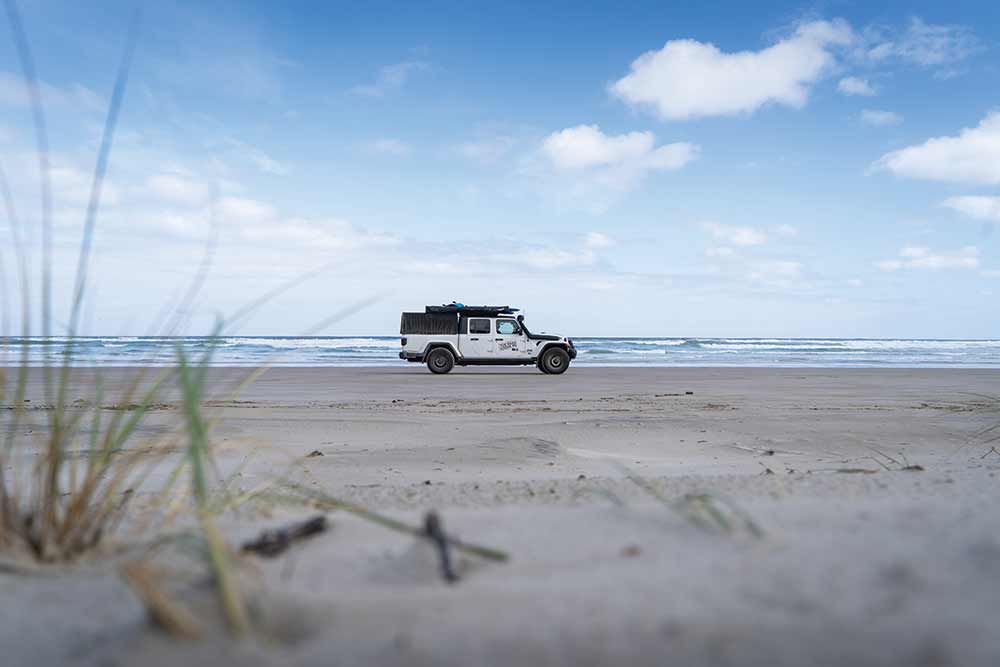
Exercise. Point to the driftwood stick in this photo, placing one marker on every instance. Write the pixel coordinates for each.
(324, 501)
(435, 533)
(271, 543)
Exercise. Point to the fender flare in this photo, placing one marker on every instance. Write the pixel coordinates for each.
(435, 345)
(548, 346)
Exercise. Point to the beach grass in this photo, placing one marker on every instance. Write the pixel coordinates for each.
(58, 497)
(71, 470)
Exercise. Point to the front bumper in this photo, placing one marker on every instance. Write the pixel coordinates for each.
(572, 352)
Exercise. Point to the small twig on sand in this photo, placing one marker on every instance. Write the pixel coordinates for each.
(993, 450)
(766, 451)
(271, 543)
(435, 533)
(322, 500)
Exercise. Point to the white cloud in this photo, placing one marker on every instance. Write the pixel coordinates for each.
(584, 167)
(786, 230)
(599, 285)
(174, 189)
(267, 164)
(440, 268)
(719, 252)
(980, 208)
(72, 185)
(389, 146)
(14, 92)
(991, 273)
(688, 79)
(187, 225)
(876, 117)
(973, 156)
(780, 273)
(855, 282)
(853, 85)
(487, 150)
(921, 257)
(597, 241)
(390, 78)
(585, 146)
(315, 234)
(736, 235)
(923, 44)
(556, 259)
(241, 210)
(264, 162)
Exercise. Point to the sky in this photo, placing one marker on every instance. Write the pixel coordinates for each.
(721, 169)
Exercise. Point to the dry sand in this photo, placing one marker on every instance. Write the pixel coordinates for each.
(863, 568)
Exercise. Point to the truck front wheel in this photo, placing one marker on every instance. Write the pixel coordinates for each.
(554, 361)
(440, 361)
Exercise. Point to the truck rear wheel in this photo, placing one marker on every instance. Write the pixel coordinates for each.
(554, 361)
(440, 360)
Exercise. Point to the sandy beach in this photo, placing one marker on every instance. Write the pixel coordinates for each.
(874, 496)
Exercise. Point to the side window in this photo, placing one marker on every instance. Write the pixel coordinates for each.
(479, 326)
(507, 327)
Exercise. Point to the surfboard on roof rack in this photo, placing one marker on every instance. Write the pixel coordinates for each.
(463, 309)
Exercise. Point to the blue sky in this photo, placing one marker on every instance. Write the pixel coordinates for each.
(780, 169)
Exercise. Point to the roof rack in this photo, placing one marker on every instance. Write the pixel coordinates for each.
(463, 309)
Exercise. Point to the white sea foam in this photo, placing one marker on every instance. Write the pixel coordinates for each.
(625, 351)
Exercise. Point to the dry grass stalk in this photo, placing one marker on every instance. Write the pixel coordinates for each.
(192, 384)
(163, 610)
(705, 510)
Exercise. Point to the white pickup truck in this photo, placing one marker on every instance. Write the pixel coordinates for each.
(456, 334)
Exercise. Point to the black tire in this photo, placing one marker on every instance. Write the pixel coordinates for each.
(554, 361)
(440, 361)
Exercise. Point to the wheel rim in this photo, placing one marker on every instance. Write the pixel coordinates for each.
(555, 361)
(439, 361)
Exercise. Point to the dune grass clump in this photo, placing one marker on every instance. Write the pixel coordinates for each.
(62, 492)
(66, 482)
(72, 469)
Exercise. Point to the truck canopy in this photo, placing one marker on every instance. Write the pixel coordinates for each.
(430, 324)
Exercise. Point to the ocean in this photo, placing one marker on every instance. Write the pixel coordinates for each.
(626, 351)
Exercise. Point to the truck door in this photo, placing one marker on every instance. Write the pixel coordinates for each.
(509, 340)
(478, 342)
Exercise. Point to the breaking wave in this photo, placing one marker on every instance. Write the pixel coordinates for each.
(624, 351)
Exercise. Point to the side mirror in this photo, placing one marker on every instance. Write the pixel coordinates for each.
(520, 318)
